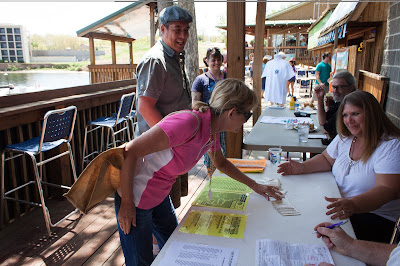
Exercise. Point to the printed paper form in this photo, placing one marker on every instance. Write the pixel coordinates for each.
(276, 253)
(214, 224)
(282, 120)
(317, 136)
(181, 253)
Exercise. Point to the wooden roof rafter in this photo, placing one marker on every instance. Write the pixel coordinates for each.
(108, 37)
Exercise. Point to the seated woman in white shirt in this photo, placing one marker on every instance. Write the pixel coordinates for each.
(365, 160)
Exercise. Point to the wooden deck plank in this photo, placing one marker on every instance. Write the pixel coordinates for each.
(106, 251)
(29, 250)
(91, 240)
(117, 258)
(197, 181)
(81, 247)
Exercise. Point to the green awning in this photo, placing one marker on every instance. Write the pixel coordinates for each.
(133, 21)
(316, 30)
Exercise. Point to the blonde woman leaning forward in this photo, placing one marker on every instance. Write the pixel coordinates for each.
(365, 160)
(172, 147)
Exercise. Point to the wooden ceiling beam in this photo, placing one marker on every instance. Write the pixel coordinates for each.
(108, 37)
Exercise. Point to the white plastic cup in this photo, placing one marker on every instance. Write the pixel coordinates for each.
(303, 132)
(289, 124)
(275, 155)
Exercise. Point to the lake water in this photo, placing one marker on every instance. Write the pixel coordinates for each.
(39, 81)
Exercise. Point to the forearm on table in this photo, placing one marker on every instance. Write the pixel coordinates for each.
(373, 199)
(372, 253)
(318, 163)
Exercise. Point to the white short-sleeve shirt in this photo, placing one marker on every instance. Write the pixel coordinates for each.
(356, 177)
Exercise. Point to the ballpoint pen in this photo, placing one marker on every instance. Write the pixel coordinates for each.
(334, 225)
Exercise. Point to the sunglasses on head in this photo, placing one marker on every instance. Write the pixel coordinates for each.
(247, 115)
(214, 48)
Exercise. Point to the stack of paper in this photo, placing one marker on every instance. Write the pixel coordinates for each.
(249, 166)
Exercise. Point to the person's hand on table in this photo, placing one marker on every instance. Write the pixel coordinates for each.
(290, 168)
(319, 91)
(267, 191)
(335, 238)
(340, 207)
(127, 216)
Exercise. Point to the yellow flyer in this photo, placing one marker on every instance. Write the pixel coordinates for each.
(225, 183)
(222, 199)
(214, 224)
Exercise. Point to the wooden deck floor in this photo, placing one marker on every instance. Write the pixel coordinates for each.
(90, 239)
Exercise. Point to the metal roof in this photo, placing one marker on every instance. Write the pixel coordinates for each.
(339, 16)
(130, 22)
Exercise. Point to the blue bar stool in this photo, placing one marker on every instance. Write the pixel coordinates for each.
(110, 123)
(133, 119)
(305, 85)
(58, 126)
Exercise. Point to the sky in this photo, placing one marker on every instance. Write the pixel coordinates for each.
(68, 17)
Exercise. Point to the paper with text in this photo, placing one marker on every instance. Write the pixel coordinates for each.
(225, 183)
(214, 224)
(271, 252)
(222, 199)
(282, 120)
(181, 253)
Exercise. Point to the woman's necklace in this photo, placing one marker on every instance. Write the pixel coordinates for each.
(216, 80)
(212, 155)
(353, 142)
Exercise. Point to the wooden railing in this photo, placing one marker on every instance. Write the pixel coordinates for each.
(108, 73)
(375, 84)
(302, 54)
(20, 120)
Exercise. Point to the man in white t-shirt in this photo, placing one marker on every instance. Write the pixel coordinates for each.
(277, 72)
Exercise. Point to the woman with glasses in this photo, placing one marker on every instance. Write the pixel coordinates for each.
(202, 88)
(365, 160)
(172, 147)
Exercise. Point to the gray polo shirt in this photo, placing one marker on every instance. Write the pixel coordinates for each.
(159, 76)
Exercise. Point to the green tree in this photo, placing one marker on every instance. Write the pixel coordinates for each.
(34, 45)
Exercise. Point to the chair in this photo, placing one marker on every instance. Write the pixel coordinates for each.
(57, 128)
(110, 123)
(305, 85)
(301, 74)
(311, 73)
(133, 119)
(396, 233)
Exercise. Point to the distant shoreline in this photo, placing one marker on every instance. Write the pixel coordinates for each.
(43, 71)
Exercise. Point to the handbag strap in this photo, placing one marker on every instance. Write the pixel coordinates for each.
(197, 127)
